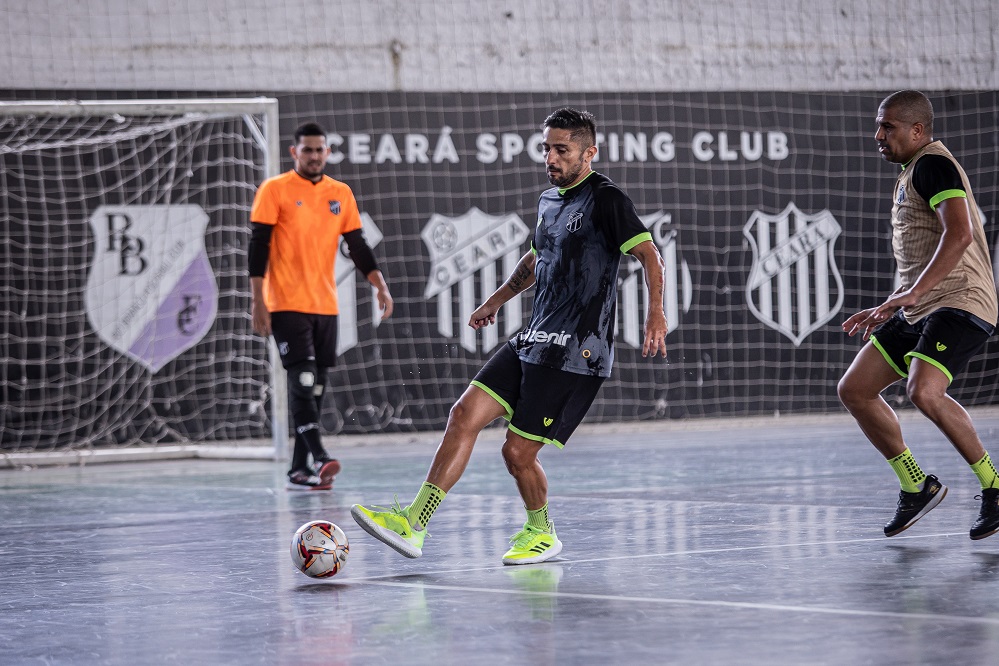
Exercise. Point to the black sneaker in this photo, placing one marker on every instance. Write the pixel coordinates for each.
(988, 520)
(913, 506)
(301, 480)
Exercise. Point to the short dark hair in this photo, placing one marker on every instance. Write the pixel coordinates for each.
(309, 129)
(581, 125)
(912, 106)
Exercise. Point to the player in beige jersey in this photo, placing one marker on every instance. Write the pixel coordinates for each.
(941, 315)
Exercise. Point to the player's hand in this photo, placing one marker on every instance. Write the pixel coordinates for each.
(655, 334)
(261, 319)
(484, 315)
(385, 302)
(867, 320)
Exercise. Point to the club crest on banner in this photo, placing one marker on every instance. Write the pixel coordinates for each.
(633, 293)
(464, 254)
(794, 285)
(347, 276)
(151, 293)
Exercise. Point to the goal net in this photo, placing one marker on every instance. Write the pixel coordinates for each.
(124, 274)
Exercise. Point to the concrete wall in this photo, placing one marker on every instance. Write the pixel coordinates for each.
(499, 45)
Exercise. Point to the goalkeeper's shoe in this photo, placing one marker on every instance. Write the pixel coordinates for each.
(531, 545)
(327, 469)
(391, 528)
(302, 480)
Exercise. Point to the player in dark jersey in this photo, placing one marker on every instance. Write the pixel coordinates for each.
(941, 315)
(545, 379)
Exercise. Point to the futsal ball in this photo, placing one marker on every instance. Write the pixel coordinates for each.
(319, 549)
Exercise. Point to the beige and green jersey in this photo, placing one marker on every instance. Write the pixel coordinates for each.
(933, 176)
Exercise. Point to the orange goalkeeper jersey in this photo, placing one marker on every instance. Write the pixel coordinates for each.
(308, 220)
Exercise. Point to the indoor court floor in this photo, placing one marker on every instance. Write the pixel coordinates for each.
(755, 541)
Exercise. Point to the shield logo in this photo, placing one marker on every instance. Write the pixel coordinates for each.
(151, 293)
(575, 221)
(465, 253)
(794, 285)
(335, 207)
(346, 277)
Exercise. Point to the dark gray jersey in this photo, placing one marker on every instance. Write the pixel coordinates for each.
(582, 234)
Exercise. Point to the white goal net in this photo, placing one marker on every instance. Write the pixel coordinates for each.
(125, 318)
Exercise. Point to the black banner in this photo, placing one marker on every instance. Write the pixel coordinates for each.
(770, 209)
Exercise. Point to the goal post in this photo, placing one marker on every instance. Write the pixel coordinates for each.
(125, 296)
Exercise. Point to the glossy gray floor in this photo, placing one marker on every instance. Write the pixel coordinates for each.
(750, 542)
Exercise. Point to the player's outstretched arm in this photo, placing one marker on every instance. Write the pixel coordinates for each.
(656, 327)
(521, 278)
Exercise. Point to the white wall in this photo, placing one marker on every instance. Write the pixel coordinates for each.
(499, 45)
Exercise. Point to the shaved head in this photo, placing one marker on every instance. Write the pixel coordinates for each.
(911, 107)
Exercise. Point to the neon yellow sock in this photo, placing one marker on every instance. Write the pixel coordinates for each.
(538, 518)
(423, 507)
(910, 476)
(986, 472)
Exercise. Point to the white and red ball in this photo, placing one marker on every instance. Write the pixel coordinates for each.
(319, 549)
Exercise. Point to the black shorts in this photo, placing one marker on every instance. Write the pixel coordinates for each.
(542, 404)
(301, 337)
(945, 338)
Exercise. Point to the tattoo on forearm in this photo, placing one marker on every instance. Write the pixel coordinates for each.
(518, 281)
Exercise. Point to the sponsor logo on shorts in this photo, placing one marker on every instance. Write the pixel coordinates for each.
(941, 346)
(548, 422)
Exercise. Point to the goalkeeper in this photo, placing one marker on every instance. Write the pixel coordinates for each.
(297, 220)
(544, 380)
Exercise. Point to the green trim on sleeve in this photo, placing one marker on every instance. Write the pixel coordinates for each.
(931, 361)
(640, 238)
(536, 438)
(947, 194)
(503, 403)
(877, 345)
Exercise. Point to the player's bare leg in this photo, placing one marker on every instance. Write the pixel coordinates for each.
(927, 389)
(860, 391)
(404, 528)
(521, 457)
(536, 541)
(474, 410)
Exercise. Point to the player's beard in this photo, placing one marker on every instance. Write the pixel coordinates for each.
(311, 171)
(566, 178)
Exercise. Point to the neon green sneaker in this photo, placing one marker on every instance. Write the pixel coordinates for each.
(391, 528)
(530, 545)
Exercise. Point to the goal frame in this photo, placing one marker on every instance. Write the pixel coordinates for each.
(268, 139)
